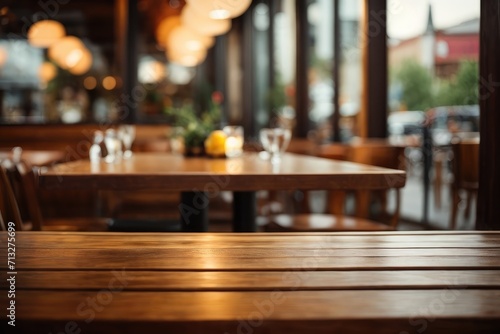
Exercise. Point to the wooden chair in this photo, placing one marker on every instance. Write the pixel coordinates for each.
(23, 177)
(378, 154)
(465, 175)
(9, 209)
(2, 223)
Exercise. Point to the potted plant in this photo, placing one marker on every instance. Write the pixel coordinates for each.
(196, 125)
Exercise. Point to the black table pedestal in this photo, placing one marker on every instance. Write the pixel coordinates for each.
(244, 211)
(194, 211)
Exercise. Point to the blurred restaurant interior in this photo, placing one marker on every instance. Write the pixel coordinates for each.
(401, 75)
(359, 138)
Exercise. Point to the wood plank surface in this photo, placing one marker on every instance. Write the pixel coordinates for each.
(385, 282)
(261, 252)
(265, 312)
(164, 306)
(246, 173)
(275, 240)
(136, 261)
(148, 280)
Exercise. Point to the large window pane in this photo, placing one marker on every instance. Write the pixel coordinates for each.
(321, 85)
(350, 70)
(433, 59)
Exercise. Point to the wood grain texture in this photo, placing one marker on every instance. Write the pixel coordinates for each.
(266, 312)
(137, 260)
(148, 280)
(323, 240)
(368, 282)
(246, 173)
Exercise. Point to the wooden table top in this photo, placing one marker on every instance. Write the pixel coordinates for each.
(246, 173)
(367, 282)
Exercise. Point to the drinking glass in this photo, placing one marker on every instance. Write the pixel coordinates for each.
(95, 151)
(113, 146)
(234, 141)
(126, 134)
(275, 141)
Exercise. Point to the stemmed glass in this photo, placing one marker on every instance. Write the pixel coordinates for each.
(275, 141)
(126, 133)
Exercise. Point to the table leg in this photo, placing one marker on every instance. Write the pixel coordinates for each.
(244, 211)
(427, 155)
(194, 211)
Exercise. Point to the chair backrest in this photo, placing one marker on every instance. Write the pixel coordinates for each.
(466, 162)
(377, 153)
(8, 203)
(27, 181)
(2, 223)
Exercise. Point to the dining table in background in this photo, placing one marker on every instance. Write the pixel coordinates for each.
(200, 178)
(37, 158)
(445, 282)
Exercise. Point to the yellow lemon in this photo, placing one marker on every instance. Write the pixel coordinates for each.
(215, 144)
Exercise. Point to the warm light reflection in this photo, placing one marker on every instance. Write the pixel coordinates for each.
(47, 72)
(63, 48)
(73, 57)
(183, 38)
(217, 9)
(109, 83)
(45, 33)
(90, 83)
(83, 64)
(186, 57)
(204, 25)
(165, 28)
(3, 56)
(151, 70)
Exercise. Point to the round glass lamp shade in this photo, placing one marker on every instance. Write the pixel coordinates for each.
(151, 71)
(45, 33)
(186, 39)
(67, 51)
(186, 58)
(165, 28)
(83, 64)
(204, 25)
(220, 9)
(47, 72)
(3, 56)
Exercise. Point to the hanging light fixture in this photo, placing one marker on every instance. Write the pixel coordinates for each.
(83, 64)
(67, 51)
(186, 39)
(165, 28)
(3, 57)
(220, 9)
(204, 25)
(45, 33)
(187, 58)
(47, 72)
(151, 70)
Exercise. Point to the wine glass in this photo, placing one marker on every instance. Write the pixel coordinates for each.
(275, 141)
(126, 134)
